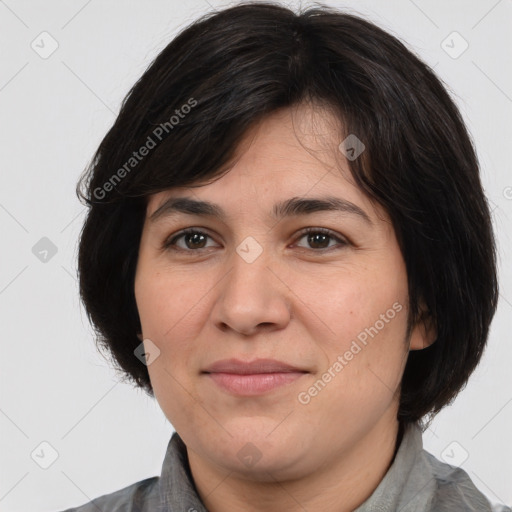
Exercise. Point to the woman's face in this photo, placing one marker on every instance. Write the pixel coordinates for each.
(250, 285)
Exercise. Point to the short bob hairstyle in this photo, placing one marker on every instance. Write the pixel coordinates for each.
(182, 121)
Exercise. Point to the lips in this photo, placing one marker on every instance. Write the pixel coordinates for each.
(258, 366)
(250, 378)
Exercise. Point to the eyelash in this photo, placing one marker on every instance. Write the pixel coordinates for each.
(170, 243)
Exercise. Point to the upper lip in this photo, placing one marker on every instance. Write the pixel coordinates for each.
(237, 366)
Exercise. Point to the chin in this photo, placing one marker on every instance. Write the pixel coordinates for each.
(271, 467)
(257, 455)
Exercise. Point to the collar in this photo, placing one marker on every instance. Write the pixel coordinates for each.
(408, 485)
(177, 488)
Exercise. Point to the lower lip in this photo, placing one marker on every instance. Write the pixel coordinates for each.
(254, 384)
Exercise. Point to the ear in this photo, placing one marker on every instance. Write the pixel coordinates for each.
(424, 333)
(139, 335)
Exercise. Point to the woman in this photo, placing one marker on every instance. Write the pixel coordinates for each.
(288, 245)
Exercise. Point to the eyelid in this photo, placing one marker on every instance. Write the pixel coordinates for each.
(343, 241)
(169, 242)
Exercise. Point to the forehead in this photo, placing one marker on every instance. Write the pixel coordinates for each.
(292, 153)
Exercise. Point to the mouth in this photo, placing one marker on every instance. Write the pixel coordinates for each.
(250, 378)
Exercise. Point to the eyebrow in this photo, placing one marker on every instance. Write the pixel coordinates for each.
(296, 206)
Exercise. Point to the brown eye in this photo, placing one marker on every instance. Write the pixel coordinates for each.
(318, 238)
(192, 238)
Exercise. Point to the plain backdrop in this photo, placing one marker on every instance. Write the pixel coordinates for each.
(66, 67)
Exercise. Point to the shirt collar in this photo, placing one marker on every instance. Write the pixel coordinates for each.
(408, 485)
(177, 488)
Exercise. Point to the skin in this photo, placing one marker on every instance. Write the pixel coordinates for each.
(300, 301)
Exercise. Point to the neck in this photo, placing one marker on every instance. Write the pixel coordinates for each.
(341, 485)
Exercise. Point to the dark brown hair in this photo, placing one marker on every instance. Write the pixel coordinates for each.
(231, 68)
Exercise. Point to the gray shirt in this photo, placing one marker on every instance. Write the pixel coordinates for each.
(415, 482)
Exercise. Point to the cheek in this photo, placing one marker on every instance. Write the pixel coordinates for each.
(353, 304)
(176, 395)
(172, 308)
(169, 307)
(169, 303)
(361, 373)
(364, 315)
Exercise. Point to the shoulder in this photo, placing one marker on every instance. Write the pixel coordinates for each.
(141, 496)
(455, 491)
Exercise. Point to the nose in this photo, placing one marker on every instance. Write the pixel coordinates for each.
(252, 297)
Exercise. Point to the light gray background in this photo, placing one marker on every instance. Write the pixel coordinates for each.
(54, 112)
